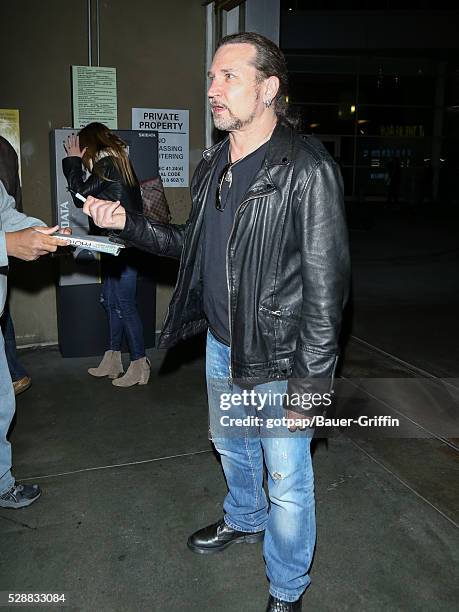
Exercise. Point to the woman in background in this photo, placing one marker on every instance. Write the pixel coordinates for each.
(111, 177)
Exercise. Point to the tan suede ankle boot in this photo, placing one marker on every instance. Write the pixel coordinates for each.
(137, 373)
(110, 365)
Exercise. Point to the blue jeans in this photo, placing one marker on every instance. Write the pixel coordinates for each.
(119, 299)
(17, 371)
(289, 519)
(7, 408)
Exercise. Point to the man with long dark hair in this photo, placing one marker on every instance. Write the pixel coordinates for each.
(265, 268)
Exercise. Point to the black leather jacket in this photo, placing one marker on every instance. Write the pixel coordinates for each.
(287, 263)
(105, 184)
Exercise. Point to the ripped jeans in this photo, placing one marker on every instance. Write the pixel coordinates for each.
(118, 297)
(289, 519)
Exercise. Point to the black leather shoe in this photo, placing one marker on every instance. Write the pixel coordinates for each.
(277, 605)
(217, 537)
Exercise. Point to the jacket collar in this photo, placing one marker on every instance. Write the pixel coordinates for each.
(209, 154)
(280, 148)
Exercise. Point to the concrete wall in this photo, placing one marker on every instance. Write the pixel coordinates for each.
(158, 49)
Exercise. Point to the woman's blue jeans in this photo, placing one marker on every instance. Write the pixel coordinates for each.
(289, 518)
(119, 298)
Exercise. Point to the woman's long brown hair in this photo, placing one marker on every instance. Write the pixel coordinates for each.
(97, 137)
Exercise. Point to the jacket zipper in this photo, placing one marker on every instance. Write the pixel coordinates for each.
(276, 313)
(228, 278)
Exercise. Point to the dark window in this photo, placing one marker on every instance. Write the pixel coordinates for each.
(394, 122)
(393, 88)
(326, 119)
(311, 88)
(366, 5)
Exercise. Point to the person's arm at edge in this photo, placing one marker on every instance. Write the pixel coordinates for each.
(13, 222)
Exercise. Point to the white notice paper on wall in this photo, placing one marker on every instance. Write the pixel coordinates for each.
(173, 141)
(94, 96)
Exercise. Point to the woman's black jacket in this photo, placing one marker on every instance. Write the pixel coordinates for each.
(105, 183)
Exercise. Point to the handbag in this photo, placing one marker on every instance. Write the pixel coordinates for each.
(154, 202)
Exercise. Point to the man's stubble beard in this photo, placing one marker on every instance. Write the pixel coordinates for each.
(233, 123)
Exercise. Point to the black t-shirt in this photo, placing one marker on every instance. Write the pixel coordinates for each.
(217, 229)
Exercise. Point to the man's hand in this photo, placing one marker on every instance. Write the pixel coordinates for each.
(31, 243)
(301, 421)
(110, 215)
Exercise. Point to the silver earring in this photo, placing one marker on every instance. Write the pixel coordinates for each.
(268, 103)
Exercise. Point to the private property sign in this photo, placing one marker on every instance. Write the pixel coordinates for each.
(173, 141)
